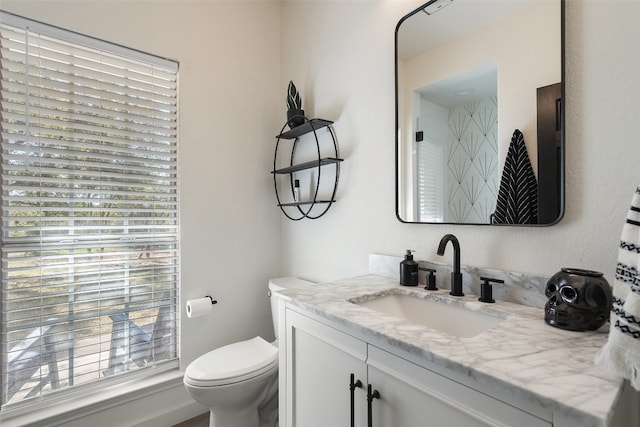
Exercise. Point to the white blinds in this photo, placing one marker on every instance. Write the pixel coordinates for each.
(89, 209)
(430, 180)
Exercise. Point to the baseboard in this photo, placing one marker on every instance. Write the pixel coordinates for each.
(174, 416)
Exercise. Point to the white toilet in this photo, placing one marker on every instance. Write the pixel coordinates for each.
(235, 380)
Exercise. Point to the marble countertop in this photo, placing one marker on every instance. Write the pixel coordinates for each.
(522, 355)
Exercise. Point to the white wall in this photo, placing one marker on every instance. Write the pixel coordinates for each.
(230, 106)
(348, 76)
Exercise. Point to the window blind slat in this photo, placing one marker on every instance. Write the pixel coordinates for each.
(108, 113)
(83, 60)
(41, 87)
(87, 57)
(89, 209)
(127, 125)
(89, 101)
(92, 149)
(76, 80)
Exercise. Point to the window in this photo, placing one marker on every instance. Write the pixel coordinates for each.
(430, 160)
(430, 180)
(89, 199)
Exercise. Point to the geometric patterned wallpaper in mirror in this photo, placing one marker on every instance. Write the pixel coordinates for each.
(472, 161)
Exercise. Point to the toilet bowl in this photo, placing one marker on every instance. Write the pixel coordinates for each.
(236, 380)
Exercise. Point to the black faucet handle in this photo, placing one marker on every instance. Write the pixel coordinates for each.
(430, 279)
(486, 291)
(491, 279)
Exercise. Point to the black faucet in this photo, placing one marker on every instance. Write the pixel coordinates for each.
(456, 276)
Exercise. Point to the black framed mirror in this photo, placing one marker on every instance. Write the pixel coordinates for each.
(479, 112)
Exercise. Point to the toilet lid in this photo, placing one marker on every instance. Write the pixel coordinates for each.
(232, 363)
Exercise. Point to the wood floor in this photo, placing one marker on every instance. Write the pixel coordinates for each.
(199, 421)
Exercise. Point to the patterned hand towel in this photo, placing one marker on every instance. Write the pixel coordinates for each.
(518, 194)
(621, 353)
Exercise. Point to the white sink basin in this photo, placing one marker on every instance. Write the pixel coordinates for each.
(463, 321)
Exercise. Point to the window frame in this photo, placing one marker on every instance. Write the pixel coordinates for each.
(97, 386)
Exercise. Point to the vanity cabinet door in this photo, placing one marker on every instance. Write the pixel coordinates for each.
(319, 364)
(412, 396)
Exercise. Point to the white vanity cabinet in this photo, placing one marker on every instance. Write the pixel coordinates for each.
(318, 363)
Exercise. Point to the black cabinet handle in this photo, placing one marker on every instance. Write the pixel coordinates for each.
(370, 397)
(352, 387)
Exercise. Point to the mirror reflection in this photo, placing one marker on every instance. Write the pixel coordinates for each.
(478, 105)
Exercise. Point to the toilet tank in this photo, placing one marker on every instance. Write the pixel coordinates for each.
(279, 284)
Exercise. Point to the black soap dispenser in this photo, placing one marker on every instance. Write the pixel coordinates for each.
(408, 270)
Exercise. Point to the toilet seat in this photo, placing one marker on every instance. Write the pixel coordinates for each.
(232, 363)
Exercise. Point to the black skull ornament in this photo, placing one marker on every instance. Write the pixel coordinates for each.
(579, 300)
